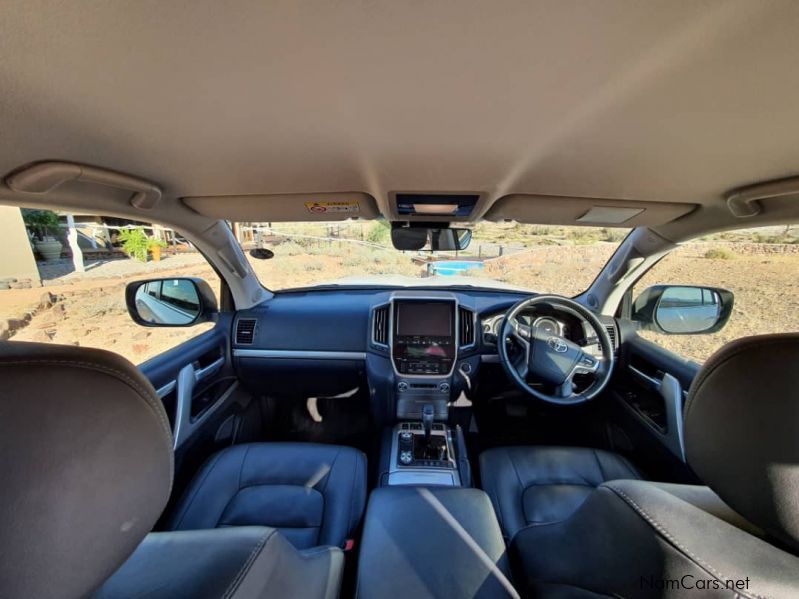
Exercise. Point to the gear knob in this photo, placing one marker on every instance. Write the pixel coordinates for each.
(427, 420)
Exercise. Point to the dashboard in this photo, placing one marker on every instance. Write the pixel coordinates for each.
(407, 347)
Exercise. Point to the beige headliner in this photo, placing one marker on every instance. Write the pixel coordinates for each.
(662, 101)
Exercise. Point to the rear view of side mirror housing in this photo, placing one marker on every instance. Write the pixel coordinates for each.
(682, 309)
(174, 302)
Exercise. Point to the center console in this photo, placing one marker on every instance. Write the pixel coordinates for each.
(432, 542)
(424, 346)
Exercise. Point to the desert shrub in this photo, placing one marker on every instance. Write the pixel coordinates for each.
(614, 235)
(379, 232)
(540, 230)
(581, 235)
(720, 254)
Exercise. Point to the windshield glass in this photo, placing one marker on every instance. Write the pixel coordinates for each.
(545, 259)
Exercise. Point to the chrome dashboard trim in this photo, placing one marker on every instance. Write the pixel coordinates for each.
(298, 354)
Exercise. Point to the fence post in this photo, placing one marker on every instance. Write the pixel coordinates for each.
(72, 237)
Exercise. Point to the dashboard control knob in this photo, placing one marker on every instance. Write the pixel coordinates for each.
(406, 437)
(402, 386)
(466, 368)
(406, 457)
(444, 387)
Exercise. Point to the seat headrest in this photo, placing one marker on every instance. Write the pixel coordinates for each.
(742, 430)
(85, 464)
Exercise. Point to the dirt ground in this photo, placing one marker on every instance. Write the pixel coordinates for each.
(89, 309)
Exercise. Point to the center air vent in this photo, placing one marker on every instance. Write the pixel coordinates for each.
(380, 325)
(466, 323)
(245, 331)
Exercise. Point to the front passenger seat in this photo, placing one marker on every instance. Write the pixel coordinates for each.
(314, 494)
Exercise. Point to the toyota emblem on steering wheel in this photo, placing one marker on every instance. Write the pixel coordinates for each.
(558, 344)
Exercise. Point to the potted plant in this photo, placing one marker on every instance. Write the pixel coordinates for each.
(154, 245)
(137, 244)
(44, 225)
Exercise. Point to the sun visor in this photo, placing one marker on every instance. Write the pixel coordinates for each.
(559, 210)
(286, 207)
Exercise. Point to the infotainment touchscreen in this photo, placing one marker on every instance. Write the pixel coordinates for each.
(424, 319)
(424, 336)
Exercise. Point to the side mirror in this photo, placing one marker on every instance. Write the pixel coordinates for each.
(170, 302)
(683, 309)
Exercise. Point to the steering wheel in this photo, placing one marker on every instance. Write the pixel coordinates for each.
(552, 359)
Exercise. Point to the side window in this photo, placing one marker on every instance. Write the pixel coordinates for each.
(45, 297)
(759, 266)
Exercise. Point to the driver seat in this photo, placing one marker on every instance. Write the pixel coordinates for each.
(633, 538)
(541, 485)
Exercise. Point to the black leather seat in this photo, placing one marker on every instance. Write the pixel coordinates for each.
(87, 469)
(541, 485)
(641, 539)
(313, 494)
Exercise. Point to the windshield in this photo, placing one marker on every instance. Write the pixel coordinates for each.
(545, 259)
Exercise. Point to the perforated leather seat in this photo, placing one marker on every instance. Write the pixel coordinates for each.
(314, 494)
(541, 485)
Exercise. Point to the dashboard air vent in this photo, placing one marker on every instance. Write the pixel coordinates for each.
(611, 328)
(380, 325)
(466, 318)
(245, 331)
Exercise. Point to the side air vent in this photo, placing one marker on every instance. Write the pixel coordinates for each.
(245, 331)
(380, 325)
(466, 319)
(614, 341)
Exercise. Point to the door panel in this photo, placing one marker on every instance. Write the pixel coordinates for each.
(207, 408)
(650, 389)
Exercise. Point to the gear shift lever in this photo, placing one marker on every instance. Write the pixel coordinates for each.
(427, 421)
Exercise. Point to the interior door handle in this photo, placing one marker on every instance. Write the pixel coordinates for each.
(210, 370)
(645, 378)
(673, 395)
(188, 377)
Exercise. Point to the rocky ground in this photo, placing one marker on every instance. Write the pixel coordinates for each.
(88, 309)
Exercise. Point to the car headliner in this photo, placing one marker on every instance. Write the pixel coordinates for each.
(659, 101)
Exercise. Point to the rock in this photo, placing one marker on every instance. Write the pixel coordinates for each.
(8, 280)
(141, 335)
(47, 300)
(15, 324)
(41, 336)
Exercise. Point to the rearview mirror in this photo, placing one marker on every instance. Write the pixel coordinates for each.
(170, 302)
(683, 309)
(432, 239)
